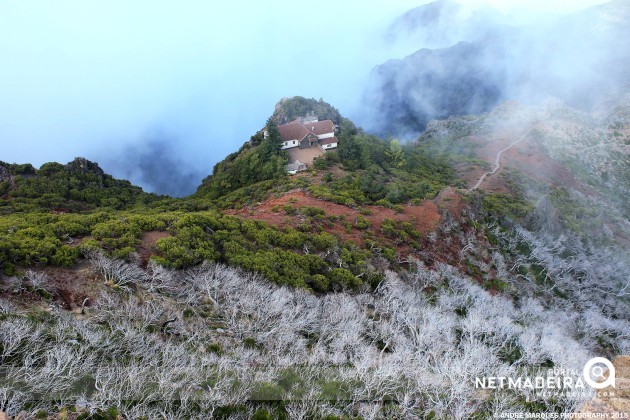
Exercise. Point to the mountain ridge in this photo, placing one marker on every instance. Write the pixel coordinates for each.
(526, 63)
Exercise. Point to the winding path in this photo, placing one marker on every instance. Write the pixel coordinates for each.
(497, 161)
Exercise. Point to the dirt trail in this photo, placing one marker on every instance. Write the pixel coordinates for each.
(497, 161)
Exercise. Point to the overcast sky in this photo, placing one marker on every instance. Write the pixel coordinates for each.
(179, 82)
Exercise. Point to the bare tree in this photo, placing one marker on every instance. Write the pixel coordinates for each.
(116, 272)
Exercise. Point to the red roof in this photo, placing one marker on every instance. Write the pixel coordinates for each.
(320, 127)
(293, 131)
(329, 140)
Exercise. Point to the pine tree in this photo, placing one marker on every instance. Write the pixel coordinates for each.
(396, 154)
(272, 144)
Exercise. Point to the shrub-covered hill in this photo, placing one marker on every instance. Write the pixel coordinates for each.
(58, 214)
(77, 186)
(260, 159)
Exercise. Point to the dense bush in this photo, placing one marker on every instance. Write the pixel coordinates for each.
(285, 256)
(505, 205)
(277, 254)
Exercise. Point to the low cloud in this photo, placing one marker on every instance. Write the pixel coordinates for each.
(578, 57)
(155, 163)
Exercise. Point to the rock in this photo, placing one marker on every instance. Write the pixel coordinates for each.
(4, 176)
(83, 166)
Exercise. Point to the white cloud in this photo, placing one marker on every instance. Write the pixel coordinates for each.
(551, 6)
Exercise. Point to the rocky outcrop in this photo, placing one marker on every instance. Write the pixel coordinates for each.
(4, 173)
(6, 183)
(81, 165)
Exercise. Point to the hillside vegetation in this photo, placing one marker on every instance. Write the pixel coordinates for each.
(374, 285)
(375, 170)
(77, 186)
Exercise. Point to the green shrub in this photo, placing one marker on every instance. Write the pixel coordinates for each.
(250, 343)
(495, 284)
(388, 228)
(344, 278)
(501, 205)
(289, 209)
(266, 391)
(319, 283)
(322, 241)
(261, 413)
(89, 245)
(8, 269)
(306, 226)
(311, 211)
(215, 348)
(65, 256)
(410, 229)
(362, 223)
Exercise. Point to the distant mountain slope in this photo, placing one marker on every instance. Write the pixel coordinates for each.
(576, 57)
(441, 23)
(574, 165)
(434, 84)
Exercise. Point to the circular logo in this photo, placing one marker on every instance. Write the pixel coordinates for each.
(594, 373)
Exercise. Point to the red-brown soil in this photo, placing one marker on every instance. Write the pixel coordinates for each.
(425, 217)
(528, 158)
(452, 201)
(147, 245)
(70, 286)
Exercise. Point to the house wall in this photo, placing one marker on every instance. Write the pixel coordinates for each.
(329, 146)
(289, 144)
(326, 135)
